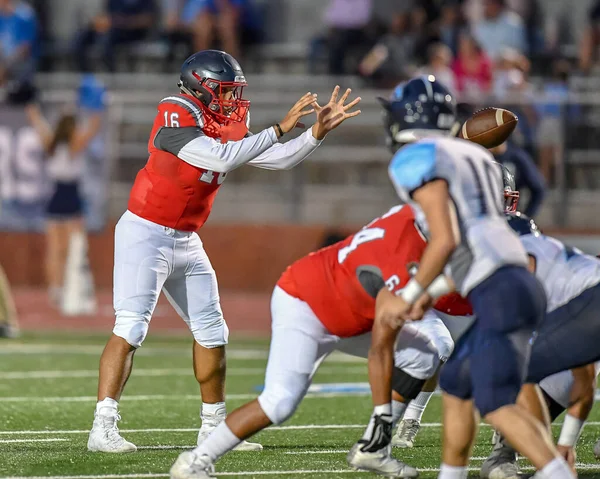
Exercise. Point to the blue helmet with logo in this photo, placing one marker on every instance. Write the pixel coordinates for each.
(522, 224)
(418, 108)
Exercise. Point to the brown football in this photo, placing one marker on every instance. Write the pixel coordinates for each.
(489, 127)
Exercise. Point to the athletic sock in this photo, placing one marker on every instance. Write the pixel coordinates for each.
(452, 472)
(417, 406)
(398, 409)
(558, 468)
(217, 409)
(107, 407)
(220, 441)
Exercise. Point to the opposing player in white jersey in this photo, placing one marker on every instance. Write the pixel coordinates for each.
(457, 185)
(566, 344)
(198, 136)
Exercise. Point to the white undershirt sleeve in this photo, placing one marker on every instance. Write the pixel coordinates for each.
(283, 156)
(208, 153)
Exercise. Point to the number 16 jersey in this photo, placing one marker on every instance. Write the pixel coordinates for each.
(476, 190)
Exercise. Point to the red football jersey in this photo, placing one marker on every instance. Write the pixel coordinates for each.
(454, 305)
(328, 280)
(168, 191)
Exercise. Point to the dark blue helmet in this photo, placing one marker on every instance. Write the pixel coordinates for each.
(522, 224)
(416, 108)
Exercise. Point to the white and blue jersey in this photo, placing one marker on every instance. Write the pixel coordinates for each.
(565, 272)
(475, 187)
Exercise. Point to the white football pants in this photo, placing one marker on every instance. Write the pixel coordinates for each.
(150, 258)
(300, 343)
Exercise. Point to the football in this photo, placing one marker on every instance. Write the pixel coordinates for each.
(489, 127)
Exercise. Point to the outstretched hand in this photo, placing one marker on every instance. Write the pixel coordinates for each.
(334, 113)
(298, 111)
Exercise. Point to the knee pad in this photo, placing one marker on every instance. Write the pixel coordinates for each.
(210, 332)
(279, 403)
(406, 385)
(132, 327)
(419, 364)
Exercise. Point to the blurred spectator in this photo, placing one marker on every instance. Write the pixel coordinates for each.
(550, 137)
(590, 42)
(527, 176)
(450, 24)
(391, 58)
(234, 22)
(509, 76)
(346, 21)
(65, 145)
(18, 46)
(499, 28)
(440, 60)
(472, 67)
(123, 22)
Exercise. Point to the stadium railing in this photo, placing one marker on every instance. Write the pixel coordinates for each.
(345, 180)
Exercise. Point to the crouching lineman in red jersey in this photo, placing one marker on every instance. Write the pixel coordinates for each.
(198, 136)
(321, 301)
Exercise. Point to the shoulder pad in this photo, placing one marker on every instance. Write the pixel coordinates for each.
(413, 165)
(182, 102)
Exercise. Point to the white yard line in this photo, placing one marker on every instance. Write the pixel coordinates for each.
(130, 431)
(273, 428)
(93, 373)
(581, 468)
(320, 451)
(96, 350)
(161, 397)
(10, 441)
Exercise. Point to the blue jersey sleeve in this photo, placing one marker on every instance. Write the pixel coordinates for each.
(412, 167)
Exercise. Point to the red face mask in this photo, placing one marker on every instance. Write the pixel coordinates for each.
(511, 201)
(228, 109)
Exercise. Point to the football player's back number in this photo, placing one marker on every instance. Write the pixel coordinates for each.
(363, 236)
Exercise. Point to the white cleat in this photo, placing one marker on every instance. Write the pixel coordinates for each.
(105, 437)
(501, 463)
(211, 421)
(406, 433)
(191, 466)
(380, 462)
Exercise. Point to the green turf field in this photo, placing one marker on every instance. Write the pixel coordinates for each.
(47, 397)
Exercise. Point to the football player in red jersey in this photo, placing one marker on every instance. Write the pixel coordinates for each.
(325, 302)
(198, 136)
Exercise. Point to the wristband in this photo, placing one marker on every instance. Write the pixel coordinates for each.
(278, 128)
(439, 287)
(412, 291)
(570, 432)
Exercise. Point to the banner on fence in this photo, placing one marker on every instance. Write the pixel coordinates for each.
(24, 186)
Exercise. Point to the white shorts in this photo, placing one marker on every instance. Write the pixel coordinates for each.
(558, 386)
(300, 343)
(420, 346)
(150, 258)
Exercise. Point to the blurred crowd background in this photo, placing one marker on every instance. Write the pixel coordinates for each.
(536, 57)
(90, 73)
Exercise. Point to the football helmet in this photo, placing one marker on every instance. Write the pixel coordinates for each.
(522, 224)
(511, 194)
(416, 109)
(217, 80)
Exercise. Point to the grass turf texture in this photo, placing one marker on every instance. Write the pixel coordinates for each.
(44, 435)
